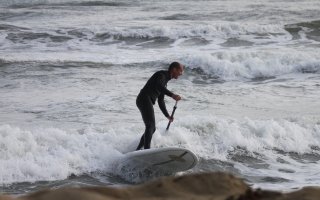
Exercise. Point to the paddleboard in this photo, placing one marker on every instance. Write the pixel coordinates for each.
(156, 162)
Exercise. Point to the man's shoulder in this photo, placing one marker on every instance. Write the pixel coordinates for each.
(161, 73)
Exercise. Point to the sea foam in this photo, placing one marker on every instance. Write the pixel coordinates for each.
(51, 154)
(249, 64)
(29, 155)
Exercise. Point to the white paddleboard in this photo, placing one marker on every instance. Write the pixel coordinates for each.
(156, 162)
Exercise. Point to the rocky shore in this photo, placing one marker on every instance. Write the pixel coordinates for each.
(213, 186)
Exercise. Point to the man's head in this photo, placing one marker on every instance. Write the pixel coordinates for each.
(175, 70)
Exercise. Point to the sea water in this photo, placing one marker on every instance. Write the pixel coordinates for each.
(70, 71)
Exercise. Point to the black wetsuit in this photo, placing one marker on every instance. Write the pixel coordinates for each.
(154, 88)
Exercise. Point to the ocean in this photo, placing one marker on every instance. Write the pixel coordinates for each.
(70, 71)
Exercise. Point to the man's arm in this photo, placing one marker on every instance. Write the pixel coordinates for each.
(162, 105)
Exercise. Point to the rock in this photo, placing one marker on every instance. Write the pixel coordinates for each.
(205, 186)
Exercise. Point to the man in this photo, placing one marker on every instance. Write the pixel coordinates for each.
(156, 88)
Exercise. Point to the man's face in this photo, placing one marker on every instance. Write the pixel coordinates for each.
(176, 72)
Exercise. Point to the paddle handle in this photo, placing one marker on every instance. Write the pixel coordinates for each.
(174, 109)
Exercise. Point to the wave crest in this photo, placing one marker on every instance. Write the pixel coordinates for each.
(229, 65)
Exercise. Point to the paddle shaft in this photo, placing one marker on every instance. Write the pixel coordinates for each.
(174, 109)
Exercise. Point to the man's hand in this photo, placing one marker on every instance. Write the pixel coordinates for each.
(170, 118)
(176, 97)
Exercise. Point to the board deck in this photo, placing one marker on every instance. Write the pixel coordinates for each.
(161, 161)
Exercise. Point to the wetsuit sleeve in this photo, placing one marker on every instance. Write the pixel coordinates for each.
(162, 105)
(161, 85)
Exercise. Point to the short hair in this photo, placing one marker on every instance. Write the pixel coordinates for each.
(174, 65)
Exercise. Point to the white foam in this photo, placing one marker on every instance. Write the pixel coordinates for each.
(175, 30)
(267, 140)
(52, 154)
(234, 64)
(212, 137)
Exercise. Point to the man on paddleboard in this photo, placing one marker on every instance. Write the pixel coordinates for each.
(156, 88)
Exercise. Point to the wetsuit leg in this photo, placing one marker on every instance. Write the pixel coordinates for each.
(141, 143)
(146, 108)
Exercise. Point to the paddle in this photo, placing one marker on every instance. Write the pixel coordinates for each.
(174, 109)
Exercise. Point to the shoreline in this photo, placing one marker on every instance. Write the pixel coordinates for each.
(214, 185)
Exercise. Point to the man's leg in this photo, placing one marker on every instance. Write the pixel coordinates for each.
(146, 108)
(141, 143)
(150, 129)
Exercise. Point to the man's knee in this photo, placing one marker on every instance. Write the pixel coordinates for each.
(151, 128)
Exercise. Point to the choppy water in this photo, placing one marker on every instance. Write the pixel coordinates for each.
(70, 72)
